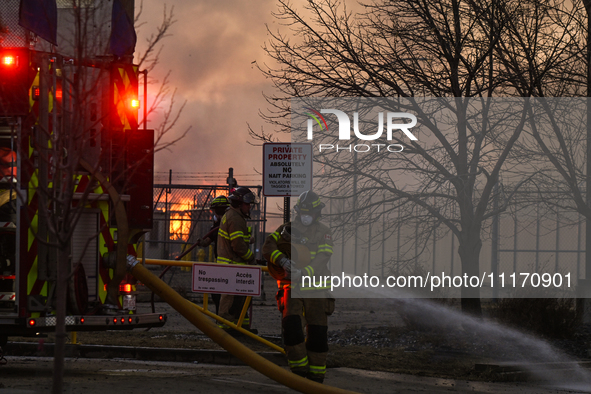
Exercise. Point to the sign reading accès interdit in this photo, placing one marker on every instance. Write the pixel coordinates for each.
(227, 279)
(287, 169)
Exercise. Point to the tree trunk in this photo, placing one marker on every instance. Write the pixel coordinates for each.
(63, 271)
(469, 251)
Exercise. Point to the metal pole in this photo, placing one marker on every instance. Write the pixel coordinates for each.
(416, 243)
(167, 216)
(230, 180)
(398, 235)
(264, 216)
(369, 250)
(343, 239)
(494, 254)
(537, 238)
(384, 235)
(330, 227)
(286, 212)
(145, 72)
(515, 243)
(434, 249)
(453, 249)
(557, 241)
(579, 228)
(355, 216)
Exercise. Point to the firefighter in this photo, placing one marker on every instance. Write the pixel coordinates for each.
(313, 243)
(218, 207)
(233, 246)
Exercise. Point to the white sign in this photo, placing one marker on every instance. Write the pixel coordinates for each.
(227, 279)
(287, 169)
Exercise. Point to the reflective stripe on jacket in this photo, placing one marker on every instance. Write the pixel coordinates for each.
(233, 239)
(317, 238)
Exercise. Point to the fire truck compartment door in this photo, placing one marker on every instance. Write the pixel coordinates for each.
(87, 229)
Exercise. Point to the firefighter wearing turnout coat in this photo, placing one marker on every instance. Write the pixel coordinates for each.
(218, 208)
(303, 247)
(233, 246)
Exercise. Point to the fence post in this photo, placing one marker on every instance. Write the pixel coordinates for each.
(167, 218)
(494, 254)
(369, 249)
(537, 238)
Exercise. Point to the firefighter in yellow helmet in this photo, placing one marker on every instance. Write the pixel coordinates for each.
(233, 246)
(312, 242)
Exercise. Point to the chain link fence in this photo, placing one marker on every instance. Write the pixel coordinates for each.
(11, 34)
(182, 215)
(530, 236)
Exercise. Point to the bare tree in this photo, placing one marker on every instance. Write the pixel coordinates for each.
(555, 71)
(150, 60)
(408, 49)
(557, 140)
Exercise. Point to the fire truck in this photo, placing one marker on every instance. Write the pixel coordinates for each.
(72, 154)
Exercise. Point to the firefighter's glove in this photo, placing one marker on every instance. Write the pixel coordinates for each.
(287, 265)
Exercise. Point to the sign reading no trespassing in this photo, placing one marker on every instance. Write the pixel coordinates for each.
(227, 279)
(287, 169)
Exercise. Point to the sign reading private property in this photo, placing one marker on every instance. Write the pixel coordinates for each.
(287, 169)
(227, 279)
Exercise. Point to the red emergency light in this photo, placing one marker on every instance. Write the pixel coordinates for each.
(9, 60)
(134, 103)
(35, 93)
(123, 288)
(16, 76)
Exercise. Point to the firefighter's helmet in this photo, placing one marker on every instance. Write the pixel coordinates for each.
(219, 205)
(309, 202)
(219, 202)
(242, 195)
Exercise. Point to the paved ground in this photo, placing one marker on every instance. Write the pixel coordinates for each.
(91, 376)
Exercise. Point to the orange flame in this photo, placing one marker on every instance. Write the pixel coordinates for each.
(180, 220)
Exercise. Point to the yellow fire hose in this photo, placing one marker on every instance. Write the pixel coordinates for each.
(237, 326)
(224, 339)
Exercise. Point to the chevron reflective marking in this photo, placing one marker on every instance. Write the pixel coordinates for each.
(125, 87)
(7, 296)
